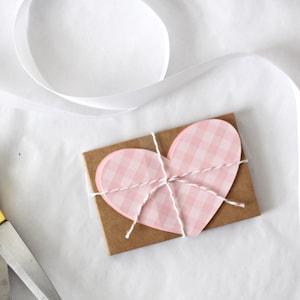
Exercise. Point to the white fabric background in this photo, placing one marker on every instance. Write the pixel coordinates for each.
(43, 190)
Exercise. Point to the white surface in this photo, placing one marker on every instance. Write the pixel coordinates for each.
(43, 190)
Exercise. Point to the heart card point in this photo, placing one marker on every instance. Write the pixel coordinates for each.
(176, 182)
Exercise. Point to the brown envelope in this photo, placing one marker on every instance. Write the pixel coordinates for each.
(115, 226)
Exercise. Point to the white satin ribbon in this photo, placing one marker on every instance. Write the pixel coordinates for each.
(125, 101)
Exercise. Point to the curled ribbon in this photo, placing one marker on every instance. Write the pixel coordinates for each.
(166, 181)
(115, 103)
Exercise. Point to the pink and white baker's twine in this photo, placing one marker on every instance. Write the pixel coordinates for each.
(166, 181)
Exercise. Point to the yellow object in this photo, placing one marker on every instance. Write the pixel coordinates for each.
(2, 217)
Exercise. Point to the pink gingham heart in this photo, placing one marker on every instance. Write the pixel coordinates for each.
(203, 145)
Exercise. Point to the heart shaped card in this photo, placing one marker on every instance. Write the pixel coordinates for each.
(180, 181)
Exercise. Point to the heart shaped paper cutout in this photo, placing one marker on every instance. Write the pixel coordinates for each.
(203, 145)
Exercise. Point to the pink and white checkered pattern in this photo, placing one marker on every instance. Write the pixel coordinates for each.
(203, 145)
